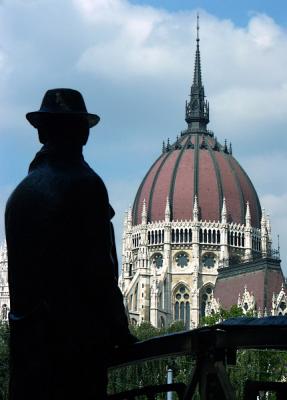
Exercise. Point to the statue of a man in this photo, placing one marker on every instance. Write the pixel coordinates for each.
(67, 311)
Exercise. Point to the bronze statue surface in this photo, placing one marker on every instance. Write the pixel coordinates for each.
(67, 311)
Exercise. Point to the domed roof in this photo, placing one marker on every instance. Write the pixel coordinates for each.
(196, 164)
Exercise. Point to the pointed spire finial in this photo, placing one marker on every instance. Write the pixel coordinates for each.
(195, 208)
(263, 219)
(144, 213)
(197, 28)
(163, 146)
(230, 148)
(197, 110)
(167, 210)
(224, 212)
(247, 215)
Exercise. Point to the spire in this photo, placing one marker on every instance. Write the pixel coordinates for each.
(263, 220)
(167, 210)
(197, 109)
(195, 209)
(129, 219)
(224, 212)
(144, 213)
(247, 215)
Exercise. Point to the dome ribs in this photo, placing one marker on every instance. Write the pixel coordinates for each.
(158, 190)
(218, 176)
(183, 186)
(144, 190)
(195, 177)
(208, 195)
(239, 188)
(231, 189)
(249, 193)
(174, 176)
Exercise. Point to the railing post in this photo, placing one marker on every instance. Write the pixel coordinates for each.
(169, 381)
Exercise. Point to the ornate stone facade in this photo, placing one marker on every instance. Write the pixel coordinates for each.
(196, 213)
(170, 267)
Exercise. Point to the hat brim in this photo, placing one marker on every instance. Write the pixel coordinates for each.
(36, 117)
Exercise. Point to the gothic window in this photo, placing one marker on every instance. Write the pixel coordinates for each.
(190, 235)
(148, 237)
(204, 236)
(185, 236)
(200, 235)
(172, 236)
(130, 269)
(162, 322)
(181, 259)
(209, 236)
(177, 236)
(213, 236)
(182, 305)
(218, 236)
(205, 298)
(208, 260)
(157, 260)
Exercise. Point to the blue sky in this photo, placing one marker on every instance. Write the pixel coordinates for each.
(133, 62)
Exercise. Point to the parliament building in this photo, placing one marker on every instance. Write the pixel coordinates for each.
(196, 239)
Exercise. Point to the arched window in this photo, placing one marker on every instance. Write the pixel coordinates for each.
(204, 236)
(205, 298)
(235, 239)
(213, 236)
(200, 235)
(155, 237)
(148, 237)
(162, 322)
(172, 236)
(185, 236)
(209, 236)
(182, 305)
(190, 235)
(181, 236)
(218, 236)
(177, 236)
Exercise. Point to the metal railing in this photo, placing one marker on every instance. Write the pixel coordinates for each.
(213, 349)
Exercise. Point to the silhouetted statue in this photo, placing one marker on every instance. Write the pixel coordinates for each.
(67, 311)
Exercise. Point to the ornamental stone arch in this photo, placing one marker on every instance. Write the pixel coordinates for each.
(181, 303)
(205, 298)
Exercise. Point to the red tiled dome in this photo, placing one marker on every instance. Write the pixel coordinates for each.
(197, 165)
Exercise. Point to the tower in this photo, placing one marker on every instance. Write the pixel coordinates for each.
(199, 214)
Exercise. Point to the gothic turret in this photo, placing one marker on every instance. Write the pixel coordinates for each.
(197, 110)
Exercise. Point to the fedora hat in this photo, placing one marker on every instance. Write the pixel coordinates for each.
(62, 102)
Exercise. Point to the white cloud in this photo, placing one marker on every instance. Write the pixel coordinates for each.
(134, 65)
